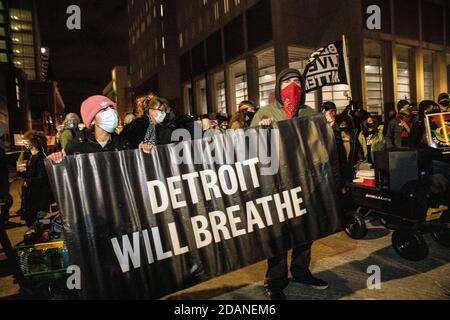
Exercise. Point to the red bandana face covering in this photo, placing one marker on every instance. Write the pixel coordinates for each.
(291, 96)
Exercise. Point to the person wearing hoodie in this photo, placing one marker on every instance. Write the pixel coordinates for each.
(289, 103)
(400, 126)
(101, 119)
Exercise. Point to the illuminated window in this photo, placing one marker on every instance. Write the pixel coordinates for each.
(163, 43)
(205, 2)
(162, 11)
(226, 6)
(237, 2)
(374, 76)
(403, 74)
(3, 57)
(164, 59)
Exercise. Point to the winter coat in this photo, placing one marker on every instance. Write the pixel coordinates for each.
(378, 142)
(39, 195)
(85, 142)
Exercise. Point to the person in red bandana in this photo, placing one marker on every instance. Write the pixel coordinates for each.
(289, 103)
(289, 100)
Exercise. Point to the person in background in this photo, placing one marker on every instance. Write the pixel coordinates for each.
(371, 138)
(400, 126)
(101, 119)
(289, 104)
(244, 116)
(6, 199)
(353, 150)
(417, 138)
(38, 195)
(444, 102)
(223, 123)
(68, 131)
(329, 109)
(135, 131)
(129, 118)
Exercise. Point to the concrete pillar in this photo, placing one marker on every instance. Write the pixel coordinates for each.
(439, 73)
(252, 78)
(355, 44)
(230, 89)
(186, 99)
(413, 75)
(389, 64)
(212, 93)
(197, 97)
(419, 77)
(278, 32)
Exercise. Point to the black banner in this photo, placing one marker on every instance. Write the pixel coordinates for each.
(144, 226)
(326, 67)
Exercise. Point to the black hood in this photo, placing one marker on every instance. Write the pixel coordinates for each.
(278, 85)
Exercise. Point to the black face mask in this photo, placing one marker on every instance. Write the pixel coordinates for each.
(251, 115)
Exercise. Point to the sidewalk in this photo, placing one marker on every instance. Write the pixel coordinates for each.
(341, 261)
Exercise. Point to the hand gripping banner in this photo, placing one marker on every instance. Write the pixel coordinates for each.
(143, 226)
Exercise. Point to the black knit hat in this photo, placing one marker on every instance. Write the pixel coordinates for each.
(401, 104)
(328, 106)
(443, 97)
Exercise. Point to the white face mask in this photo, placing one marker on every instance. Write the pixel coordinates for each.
(109, 120)
(160, 117)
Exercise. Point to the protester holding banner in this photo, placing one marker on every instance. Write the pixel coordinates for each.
(162, 123)
(101, 119)
(290, 102)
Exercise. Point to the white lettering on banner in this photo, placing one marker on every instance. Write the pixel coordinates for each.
(216, 226)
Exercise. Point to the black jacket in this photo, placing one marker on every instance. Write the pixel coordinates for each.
(39, 195)
(4, 174)
(136, 130)
(85, 142)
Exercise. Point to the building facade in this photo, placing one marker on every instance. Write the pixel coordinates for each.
(119, 90)
(26, 100)
(231, 50)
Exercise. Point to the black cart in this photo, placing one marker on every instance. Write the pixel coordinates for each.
(406, 199)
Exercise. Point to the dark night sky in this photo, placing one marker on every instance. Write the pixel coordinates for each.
(82, 60)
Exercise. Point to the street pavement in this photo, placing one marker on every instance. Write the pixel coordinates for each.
(339, 260)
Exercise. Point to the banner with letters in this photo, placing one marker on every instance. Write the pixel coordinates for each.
(143, 226)
(326, 67)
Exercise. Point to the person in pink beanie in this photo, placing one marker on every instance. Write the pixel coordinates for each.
(100, 117)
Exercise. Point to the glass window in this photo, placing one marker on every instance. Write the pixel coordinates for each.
(403, 74)
(2, 18)
(3, 44)
(3, 57)
(2, 32)
(220, 92)
(428, 75)
(241, 88)
(267, 82)
(373, 77)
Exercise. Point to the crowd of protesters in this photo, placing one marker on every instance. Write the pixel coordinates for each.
(358, 136)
